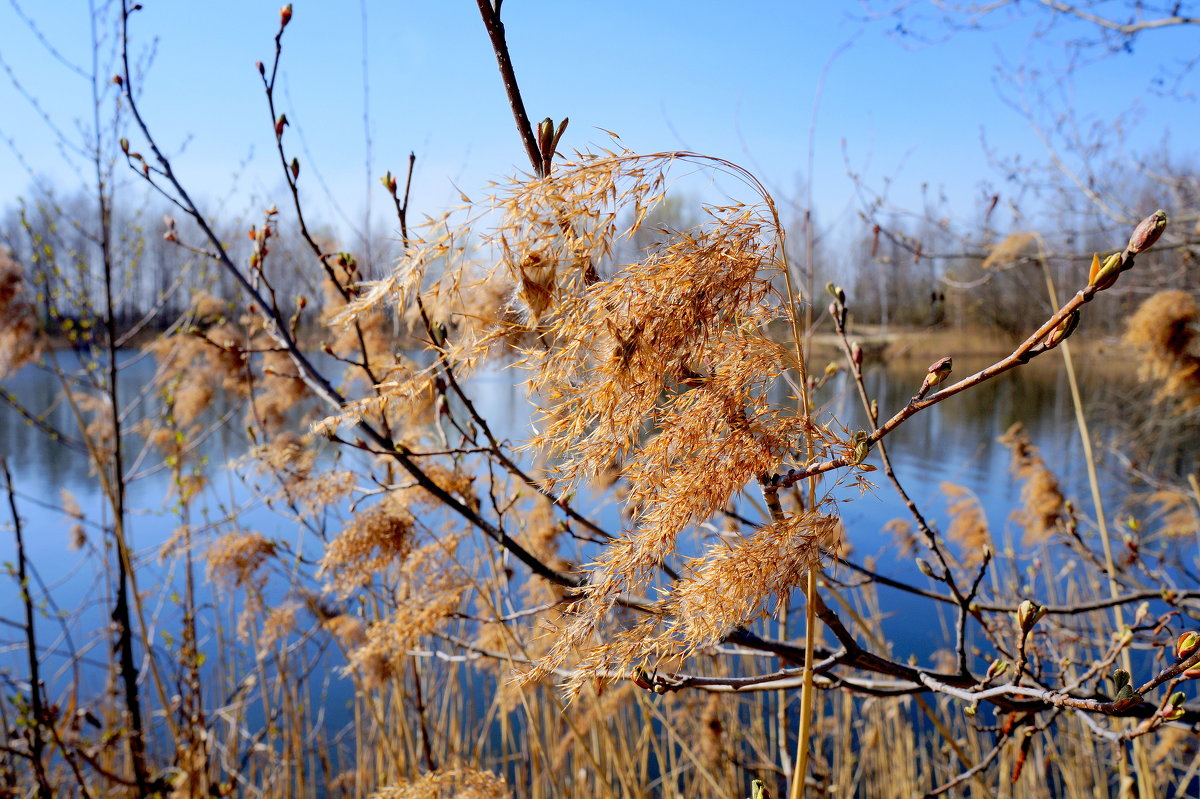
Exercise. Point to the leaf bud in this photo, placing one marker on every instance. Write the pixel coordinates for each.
(1147, 232)
(124, 142)
(1065, 328)
(856, 354)
(295, 168)
(1187, 644)
(1126, 697)
(938, 372)
(1104, 276)
(262, 70)
(389, 182)
(545, 136)
(558, 134)
(1028, 613)
(285, 15)
(1120, 679)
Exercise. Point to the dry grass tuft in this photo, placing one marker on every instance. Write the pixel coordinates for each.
(19, 342)
(1164, 328)
(292, 460)
(371, 541)
(660, 371)
(728, 584)
(1008, 249)
(455, 783)
(236, 557)
(968, 524)
(1042, 497)
(428, 586)
(1175, 515)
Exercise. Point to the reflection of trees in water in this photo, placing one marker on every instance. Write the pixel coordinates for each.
(32, 452)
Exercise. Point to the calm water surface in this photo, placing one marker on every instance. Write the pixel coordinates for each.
(954, 441)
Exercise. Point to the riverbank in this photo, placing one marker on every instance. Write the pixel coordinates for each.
(894, 344)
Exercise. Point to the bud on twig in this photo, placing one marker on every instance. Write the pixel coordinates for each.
(1174, 708)
(836, 292)
(1065, 328)
(856, 354)
(938, 372)
(758, 790)
(1028, 613)
(389, 182)
(558, 134)
(1103, 276)
(279, 123)
(934, 376)
(1147, 232)
(285, 16)
(861, 446)
(262, 70)
(545, 134)
(295, 168)
(1187, 644)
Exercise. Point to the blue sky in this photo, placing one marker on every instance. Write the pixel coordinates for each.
(732, 80)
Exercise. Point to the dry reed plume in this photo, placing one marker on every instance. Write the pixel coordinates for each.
(1164, 329)
(18, 319)
(1042, 500)
(662, 367)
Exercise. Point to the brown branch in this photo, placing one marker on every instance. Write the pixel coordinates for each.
(495, 30)
(313, 377)
(37, 744)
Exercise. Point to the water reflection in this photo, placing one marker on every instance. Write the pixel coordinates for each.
(954, 441)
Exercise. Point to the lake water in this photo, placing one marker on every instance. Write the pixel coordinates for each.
(954, 441)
